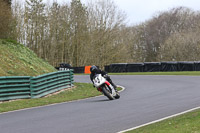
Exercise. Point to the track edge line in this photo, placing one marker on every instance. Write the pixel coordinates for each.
(159, 120)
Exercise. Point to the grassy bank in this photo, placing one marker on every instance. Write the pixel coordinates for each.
(18, 60)
(81, 91)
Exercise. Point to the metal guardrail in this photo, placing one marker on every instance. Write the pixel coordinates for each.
(14, 87)
(20, 87)
(49, 83)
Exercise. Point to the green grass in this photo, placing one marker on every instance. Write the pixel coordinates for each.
(81, 91)
(187, 123)
(18, 60)
(189, 73)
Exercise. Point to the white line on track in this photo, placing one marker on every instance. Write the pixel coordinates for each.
(159, 120)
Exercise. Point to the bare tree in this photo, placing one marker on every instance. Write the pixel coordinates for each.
(79, 31)
(8, 2)
(5, 20)
(35, 25)
(150, 37)
(105, 23)
(96, 33)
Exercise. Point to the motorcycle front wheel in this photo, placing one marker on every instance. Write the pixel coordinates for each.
(106, 92)
(117, 95)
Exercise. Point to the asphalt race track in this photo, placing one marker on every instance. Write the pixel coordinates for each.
(145, 99)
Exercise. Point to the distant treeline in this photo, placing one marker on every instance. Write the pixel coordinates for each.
(97, 33)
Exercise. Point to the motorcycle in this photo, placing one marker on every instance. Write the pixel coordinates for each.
(105, 87)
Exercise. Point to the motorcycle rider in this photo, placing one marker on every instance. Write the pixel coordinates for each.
(94, 70)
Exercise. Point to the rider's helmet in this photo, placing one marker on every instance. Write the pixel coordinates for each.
(93, 69)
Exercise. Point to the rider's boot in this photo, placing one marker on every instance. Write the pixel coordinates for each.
(115, 87)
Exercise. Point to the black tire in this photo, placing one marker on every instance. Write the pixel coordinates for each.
(117, 96)
(106, 92)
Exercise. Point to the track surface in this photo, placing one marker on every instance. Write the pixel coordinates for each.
(146, 98)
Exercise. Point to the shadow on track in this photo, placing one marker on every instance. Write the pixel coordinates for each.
(103, 100)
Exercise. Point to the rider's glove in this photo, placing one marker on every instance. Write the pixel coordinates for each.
(106, 75)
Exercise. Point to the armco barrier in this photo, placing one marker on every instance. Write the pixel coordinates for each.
(19, 87)
(14, 87)
(49, 83)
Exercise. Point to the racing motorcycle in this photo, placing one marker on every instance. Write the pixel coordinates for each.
(105, 87)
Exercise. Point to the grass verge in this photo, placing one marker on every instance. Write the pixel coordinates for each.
(81, 91)
(187, 123)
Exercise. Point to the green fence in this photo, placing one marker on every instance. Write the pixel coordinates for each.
(19, 87)
(49, 83)
(14, 87)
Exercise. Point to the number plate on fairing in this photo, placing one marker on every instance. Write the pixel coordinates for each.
(98, 80)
